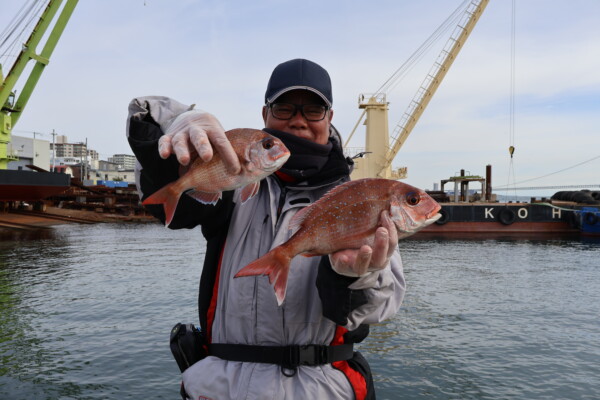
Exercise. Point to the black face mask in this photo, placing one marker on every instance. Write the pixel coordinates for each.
(307, 158)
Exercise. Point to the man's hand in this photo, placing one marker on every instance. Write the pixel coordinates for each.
(367, 259)
(197, 133)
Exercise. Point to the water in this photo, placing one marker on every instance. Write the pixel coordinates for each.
(85, 313)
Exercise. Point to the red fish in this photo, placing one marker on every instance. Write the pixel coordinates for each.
(345, 218)
(260, 154)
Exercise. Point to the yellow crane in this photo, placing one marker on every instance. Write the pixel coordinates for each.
(376, 159)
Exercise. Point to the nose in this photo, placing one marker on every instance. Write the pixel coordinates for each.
(298, 120)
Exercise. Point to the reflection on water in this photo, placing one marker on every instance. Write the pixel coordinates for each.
(31, 272)
(86, 311)
(14, 235)
(538, 237)
(8, 318)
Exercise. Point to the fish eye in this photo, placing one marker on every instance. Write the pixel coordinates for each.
(268, 144)
(413, 199)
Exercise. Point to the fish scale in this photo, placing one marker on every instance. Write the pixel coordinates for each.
(348, 223)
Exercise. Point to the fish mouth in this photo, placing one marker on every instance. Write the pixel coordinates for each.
(431, 219)
(275, 164)
(285, 154)
(434, 213)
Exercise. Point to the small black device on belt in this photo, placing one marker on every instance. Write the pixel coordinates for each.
(187, 345)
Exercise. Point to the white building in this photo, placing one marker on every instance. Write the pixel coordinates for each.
(30, 151)
(125, 161)
(120, 175)
(65, 150)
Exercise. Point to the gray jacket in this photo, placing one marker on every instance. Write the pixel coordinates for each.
(245, 311)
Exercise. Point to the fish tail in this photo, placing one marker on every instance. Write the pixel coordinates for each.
(275, 264)
(168, 196)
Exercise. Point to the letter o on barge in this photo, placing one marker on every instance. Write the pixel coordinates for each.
(522, 213)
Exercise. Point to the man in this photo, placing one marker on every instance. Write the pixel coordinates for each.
(257, 349)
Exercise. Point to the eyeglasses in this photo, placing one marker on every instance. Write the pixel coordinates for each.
(312, 112)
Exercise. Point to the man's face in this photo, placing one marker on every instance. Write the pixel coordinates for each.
(298, 125)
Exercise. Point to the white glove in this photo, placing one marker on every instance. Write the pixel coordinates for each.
(368, 259)
(199, 133)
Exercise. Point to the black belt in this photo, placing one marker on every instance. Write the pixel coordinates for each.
(286, 356)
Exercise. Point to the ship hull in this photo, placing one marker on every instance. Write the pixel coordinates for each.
(509, 218)
(17, 185)
(589, 221)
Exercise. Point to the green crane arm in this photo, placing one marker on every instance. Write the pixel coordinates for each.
(10, 111)
(28, 53)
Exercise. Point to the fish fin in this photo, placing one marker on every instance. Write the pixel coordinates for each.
(249, 191)
(298, 219)
(276, 265)
(204, 197)
(342, 188)
(168, 196)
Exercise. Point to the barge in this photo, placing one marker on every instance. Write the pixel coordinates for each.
(505, 218)
(574, 213)
(31, 186)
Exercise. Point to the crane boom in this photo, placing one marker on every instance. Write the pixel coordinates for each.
(10, 109)
(378, 164)
(434, 78)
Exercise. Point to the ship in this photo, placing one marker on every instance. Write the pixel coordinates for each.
(31, 186)
(506, 218)
(538, 218)
(566, 213)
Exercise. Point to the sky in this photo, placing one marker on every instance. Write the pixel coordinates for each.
(220, 54)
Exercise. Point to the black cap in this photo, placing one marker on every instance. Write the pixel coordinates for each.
(299, 74)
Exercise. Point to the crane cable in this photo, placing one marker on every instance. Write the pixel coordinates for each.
(511, 129)
(396, 77)
(553, 173)
(12, 26)
(400, 73)
(11, 38)
(511, 147)
(31, 14)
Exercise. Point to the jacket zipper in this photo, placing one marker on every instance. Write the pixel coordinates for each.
(281, 202)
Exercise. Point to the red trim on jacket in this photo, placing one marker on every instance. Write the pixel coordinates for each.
(285, 177)
(357, 381)
(210, 313)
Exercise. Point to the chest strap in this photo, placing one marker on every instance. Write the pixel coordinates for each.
(286, 356)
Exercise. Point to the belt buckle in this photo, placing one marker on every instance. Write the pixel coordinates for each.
(306, 355)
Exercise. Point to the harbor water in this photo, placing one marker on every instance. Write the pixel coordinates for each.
(85, 313)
